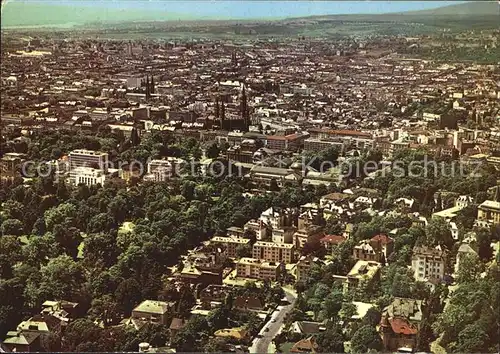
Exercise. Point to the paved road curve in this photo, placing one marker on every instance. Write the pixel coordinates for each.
(261, 345)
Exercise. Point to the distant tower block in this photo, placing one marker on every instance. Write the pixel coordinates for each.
(129, 49)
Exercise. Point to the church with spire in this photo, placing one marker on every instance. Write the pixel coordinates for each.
(239, 120)
(244, 113)
(150, 87)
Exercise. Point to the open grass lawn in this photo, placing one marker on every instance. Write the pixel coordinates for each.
(285, 347)
(80, 250)
(81, 246)
(127, 226)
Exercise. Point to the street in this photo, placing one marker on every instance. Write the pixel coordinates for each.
(261, 345)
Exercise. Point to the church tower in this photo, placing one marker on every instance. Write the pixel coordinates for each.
(234, 60)
(217, 108)
(222, 115)
(244, 109)
(148, 94)
(135, 138)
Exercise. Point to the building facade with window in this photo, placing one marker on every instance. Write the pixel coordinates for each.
(257, 269)
(428, 263)
(274, 252)
(88, 176)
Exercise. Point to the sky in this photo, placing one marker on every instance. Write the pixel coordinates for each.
(258, 9)
(32, 12)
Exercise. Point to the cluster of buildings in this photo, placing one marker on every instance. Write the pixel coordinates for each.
(268, 105)
(52, 319)
(264, 100)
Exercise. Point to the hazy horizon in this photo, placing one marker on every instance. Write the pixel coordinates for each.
(35, 13)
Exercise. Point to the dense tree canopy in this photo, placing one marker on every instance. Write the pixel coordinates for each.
(75, 245)
(470, 321)
(109, 247)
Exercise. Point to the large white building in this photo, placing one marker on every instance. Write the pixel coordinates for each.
(488, 213)
(428, 263)
(88, 176)
(259, 227)
(163, 170)
(283, 235)
(318, 145)
(134, 82)
(90, 159)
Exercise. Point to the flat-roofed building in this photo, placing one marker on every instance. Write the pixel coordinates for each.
(163, 170)
(363, 272)
(257, 269)
(291, 142)
(234, 231)
(448, 214)
(87, 158)
(135, 97)
(140, 113)
(263, 174)
(88, 176)
(283, 235)
(153, 311)
(488, 212)
(318, 145)
(274, 252)
(229, 244)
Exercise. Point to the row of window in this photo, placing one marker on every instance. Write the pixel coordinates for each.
(430, 270)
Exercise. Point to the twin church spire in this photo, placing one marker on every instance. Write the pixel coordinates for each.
(150, 87)
(220, 113)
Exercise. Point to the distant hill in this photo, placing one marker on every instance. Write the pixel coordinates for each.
(20, 13)
(473, 15)
(471, 8)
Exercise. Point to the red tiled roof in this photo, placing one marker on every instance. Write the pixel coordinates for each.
(177, 323)
(305, 345)
(283, 137)
(402, 326)
(333, 239)
(341, 132)
(383, 239)
(336, 196)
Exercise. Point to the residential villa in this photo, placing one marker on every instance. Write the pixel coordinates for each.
(400, 323)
